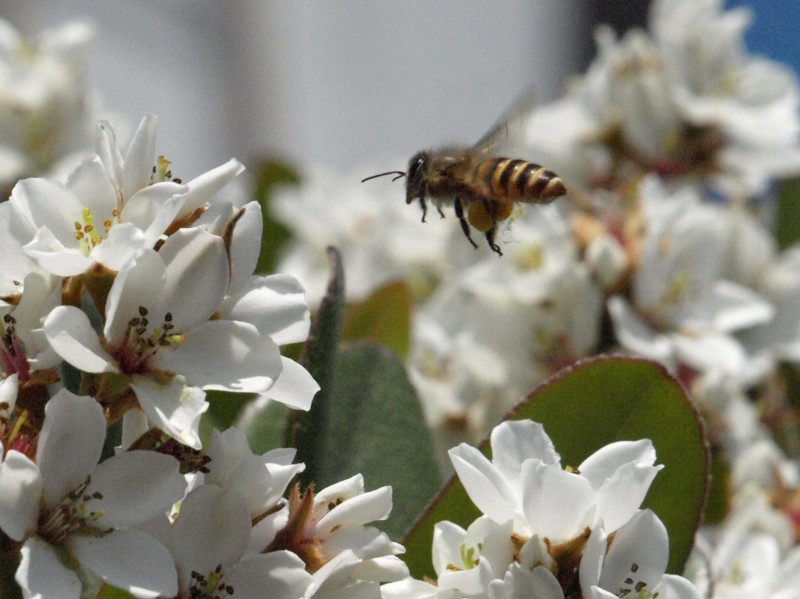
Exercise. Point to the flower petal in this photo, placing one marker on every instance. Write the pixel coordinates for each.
(295, 386)
(71, 336)
(487, 488)
(277, 575)
(15, 231)
(122, 242)
(139, 157)
(136, 486)
(204, 186)
(222, 354)
(136, 286)
(245, 246)
(558, 504)
(636, 336)
(20, 494)
(736, 307)
(50, 205)
(622, 494)
(604, 462)
(159, 203)
(128, 559)
(53, 256)
(677, 587)
(357, 511)
(105, 144)
(514, 441)
(41, 573)
(276, 305)
(213, 528)
(90, 182)
(196, 277)
(642, 541)
(70, 443)
(175, 408)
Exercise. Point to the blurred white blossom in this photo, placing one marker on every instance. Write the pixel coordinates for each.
(47, 108)
(380, 238)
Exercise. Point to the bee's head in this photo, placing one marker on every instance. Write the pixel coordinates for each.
(415, 181)
(415, 177)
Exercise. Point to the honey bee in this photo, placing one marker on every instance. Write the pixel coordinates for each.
(481, 186)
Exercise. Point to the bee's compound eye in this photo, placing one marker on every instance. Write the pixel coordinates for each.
(415, 165)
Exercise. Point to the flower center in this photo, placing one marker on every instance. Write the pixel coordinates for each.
(73, 513)
(532, 257)
(636, 589)
(139, 345)
(86, 232)
(209, 586)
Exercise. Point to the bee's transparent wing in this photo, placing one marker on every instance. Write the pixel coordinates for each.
(509, 132)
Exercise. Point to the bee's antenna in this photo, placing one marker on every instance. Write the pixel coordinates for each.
(398, 173)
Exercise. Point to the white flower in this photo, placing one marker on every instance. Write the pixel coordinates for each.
(780, 284)
(15, 232)
(751, 100)
(209, 543)
(681, 310)
(547, 532)
(159, 335)
(329, 531)
(525, 482)
(682, 99)
(105, 212)
(461, 383)
(748, 564)
(634, 564)
(627, 87)
(468, 560)
(110, 206)
(66, 501)
(46, 106)
(275, 304)
(23, 347)
(260, 480)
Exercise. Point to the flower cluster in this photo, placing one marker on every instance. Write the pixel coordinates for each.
(549, 531)
(127, 295)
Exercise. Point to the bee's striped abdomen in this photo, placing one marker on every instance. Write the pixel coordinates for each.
(519, 180)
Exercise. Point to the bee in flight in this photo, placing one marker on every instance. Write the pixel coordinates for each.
(481, 186)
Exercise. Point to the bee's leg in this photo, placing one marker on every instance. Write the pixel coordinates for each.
(424, 207)
(464, 224)
(490, 240)
(490, 233)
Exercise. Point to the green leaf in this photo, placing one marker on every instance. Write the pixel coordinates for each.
(9, 562)
(225, 406)
(384, 316)
(271, 174)
(787, 213)
(264, 425)
(109, 592)
(376, 427)
(305, 429)
(719, 492)
(587, 406)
